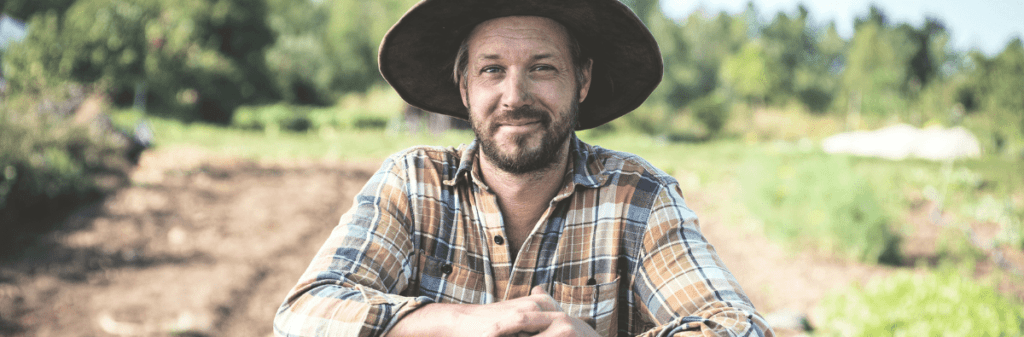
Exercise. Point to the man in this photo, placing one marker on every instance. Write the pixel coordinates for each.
(528, 230)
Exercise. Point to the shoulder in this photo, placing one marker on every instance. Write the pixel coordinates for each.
(618, 165)
(423, 160)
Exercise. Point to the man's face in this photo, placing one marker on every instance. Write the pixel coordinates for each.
(521, 91)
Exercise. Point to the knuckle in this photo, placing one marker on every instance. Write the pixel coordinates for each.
(518, 319)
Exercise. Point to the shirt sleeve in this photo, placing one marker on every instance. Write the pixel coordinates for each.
(349, 288)
(681, 285)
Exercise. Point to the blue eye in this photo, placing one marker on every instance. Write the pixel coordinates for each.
(491, 69)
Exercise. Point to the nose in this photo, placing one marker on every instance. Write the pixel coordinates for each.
(516, 91)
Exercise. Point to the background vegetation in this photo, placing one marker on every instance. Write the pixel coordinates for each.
(742, 106)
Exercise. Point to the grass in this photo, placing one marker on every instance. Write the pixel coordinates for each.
(936, 303)
(356, 144)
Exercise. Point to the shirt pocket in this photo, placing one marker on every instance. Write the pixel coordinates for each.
(447, 282)
(594, 304)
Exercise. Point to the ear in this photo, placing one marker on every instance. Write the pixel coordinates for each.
(462, 91)
(585, 84)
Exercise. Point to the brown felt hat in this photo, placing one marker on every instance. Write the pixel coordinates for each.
(417, 56)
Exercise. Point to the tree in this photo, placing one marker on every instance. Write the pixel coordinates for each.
(751, 74)
(877, 62)
(1002, 79)
(199, 58)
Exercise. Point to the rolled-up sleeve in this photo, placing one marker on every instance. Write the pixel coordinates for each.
(682, 285)
(349, 288)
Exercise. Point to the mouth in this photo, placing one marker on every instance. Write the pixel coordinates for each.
(520, 122)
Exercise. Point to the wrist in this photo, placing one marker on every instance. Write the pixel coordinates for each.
(433, 319)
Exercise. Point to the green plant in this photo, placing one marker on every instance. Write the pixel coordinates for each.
(712, 111)
(940, 303)
(820, 201)
(49, 166)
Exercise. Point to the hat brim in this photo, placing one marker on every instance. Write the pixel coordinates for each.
(417, 55)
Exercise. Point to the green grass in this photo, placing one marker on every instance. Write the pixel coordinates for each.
(262, 145)
(936, 303)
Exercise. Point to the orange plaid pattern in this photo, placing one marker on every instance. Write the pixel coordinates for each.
(617, 248)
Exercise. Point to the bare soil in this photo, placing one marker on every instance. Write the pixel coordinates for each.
(204, 246)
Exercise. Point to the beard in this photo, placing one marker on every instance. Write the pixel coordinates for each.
(520, 158)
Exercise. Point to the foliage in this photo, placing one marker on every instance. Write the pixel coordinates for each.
(933, 304)
(374, 109)
(712, 112)
(750, 73)
(820, 202)
(48, 166)
(327, 49)
(197, 59)
(996, 84)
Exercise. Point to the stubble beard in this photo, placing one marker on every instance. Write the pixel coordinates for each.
(520, 159)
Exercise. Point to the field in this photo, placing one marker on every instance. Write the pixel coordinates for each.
(217, 224)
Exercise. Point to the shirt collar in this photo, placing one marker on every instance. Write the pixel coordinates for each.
(586, 168)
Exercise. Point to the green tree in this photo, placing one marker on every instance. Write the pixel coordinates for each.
(200, 58)
(353, 36)
(999, 81)
(877, 63)
(789, 44)
(816, 80)
(25, 9)
(299, 63)
(751, 74)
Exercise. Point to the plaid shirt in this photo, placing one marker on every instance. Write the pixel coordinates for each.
(617, 248)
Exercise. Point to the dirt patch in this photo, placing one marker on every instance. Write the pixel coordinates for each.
(196, 246)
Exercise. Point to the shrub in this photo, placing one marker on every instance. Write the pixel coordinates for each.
(712, 111)
(820, 202)
(49, 166)
(941, 303)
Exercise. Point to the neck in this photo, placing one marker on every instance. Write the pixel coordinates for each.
(540, 185)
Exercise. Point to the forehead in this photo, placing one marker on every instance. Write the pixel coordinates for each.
(507, 36)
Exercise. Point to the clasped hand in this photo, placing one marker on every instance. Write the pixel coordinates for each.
(534, 315)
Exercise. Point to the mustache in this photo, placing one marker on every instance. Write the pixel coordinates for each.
(523, 112)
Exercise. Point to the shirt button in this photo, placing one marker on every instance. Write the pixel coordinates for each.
(499, 240)
(591, 281)
(446, 268)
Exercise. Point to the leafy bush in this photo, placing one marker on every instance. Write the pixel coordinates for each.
(282, 117)
(197, 59)
(942, 303)
(820, 202)
(48, 166)
(712, 111)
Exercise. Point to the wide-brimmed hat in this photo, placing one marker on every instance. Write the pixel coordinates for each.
(417, 55)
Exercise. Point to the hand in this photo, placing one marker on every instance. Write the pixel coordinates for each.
(550, 321)
(534, 315)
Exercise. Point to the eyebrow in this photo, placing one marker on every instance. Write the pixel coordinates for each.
(534, 58)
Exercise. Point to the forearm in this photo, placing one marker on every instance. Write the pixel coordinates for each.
(723, 320)
(435, 319)
(341, 310)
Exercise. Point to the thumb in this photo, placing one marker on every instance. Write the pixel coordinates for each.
(538, 290)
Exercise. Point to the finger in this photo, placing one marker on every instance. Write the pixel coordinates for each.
(545, 301)
(527, 322)
(567, 326)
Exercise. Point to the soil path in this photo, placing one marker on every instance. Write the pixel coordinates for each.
(205, 246)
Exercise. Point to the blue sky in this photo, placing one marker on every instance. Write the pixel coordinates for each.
(984, 24)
